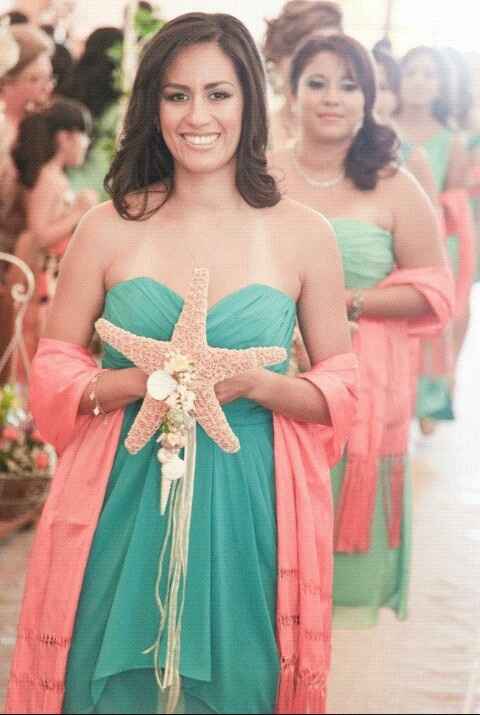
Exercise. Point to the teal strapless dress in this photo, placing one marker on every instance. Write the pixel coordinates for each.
(229, 659)
(434, 398)
(364, 583)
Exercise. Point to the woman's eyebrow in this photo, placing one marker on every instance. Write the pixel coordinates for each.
(210, 85)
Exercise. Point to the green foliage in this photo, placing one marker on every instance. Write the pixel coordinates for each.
(146, 25)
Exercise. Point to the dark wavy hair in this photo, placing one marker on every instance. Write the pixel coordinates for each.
(375, 146)
(144, 159)
(63, 66)
(442, 107)
(93, 81)
(36, 144)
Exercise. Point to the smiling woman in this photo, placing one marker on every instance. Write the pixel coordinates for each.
(191, 190)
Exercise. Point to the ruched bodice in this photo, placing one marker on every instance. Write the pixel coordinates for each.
(366, 250)
(257, 314)
(438, 149)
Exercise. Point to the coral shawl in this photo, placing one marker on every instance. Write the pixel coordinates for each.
(379, 439)
(459, 222)
(87, 447)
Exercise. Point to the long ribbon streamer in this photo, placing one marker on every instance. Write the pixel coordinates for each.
(171, 607)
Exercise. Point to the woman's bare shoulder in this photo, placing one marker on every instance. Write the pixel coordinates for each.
(103, 217)
(97, 233)
(295, 211)
(302, 227)
(399, 181)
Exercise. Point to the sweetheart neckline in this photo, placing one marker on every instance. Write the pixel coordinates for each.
(215, 305)
(368, 224)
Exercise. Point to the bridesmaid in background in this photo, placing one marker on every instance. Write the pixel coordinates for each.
(48, 143)
(24, 86)
(298, 20)
(388, 99)
(426, 118)
(344, 165)
(462, 106)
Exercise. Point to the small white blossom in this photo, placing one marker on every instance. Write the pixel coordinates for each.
(166, 455)
(174, 469)
(174, 440)
(172, 401)
(188, 401)
(177, 417)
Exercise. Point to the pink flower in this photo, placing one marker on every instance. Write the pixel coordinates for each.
(42, 460)
(11, 434)
(36, 436)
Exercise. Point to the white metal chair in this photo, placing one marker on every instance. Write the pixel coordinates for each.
(22, 294)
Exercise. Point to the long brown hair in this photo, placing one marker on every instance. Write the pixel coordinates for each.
(375, 146)
(144, 158)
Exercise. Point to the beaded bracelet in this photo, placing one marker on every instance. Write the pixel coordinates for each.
(97, 409)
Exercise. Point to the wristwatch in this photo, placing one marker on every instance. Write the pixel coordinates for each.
(356, 305)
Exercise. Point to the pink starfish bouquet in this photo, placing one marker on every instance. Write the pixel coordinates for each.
(182, 374)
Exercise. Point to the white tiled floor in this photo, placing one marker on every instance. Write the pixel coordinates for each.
(430, 664)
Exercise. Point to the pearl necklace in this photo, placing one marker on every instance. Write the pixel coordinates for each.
(317, 183)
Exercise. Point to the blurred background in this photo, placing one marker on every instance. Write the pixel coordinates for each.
(409, 22)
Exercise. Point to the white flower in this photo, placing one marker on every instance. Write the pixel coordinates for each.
(166, 455)
(177, 417)
(161, 385)
(173, 440)
(174, 469)
(173, 401)
(188, 401)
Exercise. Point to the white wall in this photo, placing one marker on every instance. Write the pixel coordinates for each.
(413, 21)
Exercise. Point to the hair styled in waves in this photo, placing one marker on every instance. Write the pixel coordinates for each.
(144, 159)
(375, 145)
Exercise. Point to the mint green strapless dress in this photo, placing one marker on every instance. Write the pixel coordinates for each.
(473, 146)
(364, 583)
(229, 659)
(434, 399)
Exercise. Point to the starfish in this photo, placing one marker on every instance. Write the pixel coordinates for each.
(211, 365)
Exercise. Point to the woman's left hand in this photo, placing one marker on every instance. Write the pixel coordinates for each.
(239, 386)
